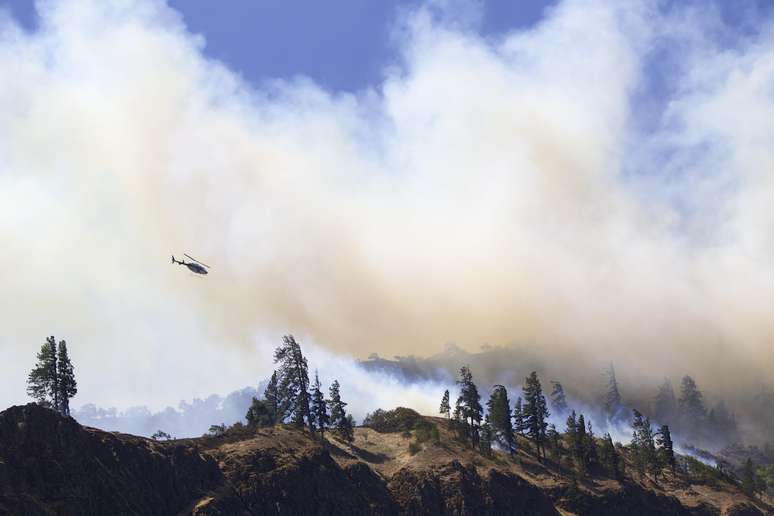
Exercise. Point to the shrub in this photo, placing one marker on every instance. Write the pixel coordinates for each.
(400, 419)
(414, 448)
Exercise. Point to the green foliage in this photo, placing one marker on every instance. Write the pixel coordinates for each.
(414, 447)
(319, 407)
(340, 421)
(277, 405)
(643, 446)
(389, 421)
(535, 412)
(424, 431)
(259, 414)
(666, 454)
(66, 385)
(293, 376)
(445, 408)
(485, 441)
(468, 405)
(500, 418)
(161, 435)
(52, 381)
(610, 459)
(749, 480)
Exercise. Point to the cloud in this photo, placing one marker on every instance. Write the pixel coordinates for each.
(487, 191)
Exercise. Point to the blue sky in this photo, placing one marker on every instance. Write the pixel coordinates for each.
(341, 44)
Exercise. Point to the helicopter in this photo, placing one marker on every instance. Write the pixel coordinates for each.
(194, 265)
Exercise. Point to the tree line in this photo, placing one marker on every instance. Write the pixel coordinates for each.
(290, 397)
(578, 448)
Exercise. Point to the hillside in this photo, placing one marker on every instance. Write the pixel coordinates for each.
(49, 464)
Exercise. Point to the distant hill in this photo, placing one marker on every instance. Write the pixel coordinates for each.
(49, 464)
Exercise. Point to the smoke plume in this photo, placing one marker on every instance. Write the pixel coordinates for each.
(525, 188)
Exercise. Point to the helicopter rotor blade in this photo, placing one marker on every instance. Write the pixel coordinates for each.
(197, 261)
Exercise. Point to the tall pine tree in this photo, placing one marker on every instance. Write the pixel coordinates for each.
(535, 413)
(500, 418)
(665, 404)
(613, 395)
(666, 448)
(294, 377)
(274, 400)
(43, 380)
(339, 420)
(558, 399)
(319, 407)
(445, 408)
(469, 403)
(66, 385)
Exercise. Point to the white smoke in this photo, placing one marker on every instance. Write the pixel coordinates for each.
(489, 190)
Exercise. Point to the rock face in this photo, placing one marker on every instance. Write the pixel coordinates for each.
(457, 489)
(50, 465)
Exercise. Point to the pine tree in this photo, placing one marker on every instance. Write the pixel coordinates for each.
(518, 418)
(535, 412)
(445, 408)
(643, 445)
(691, 405)
(42, 382)
(581, 442)
(592, 457)
(294, 378)
(558, 399)
(339, 419)
(572, 437)
(555, 445)
(665, 405)
(613, 396)
(469, 402)
(665, 448)
(319, 407)
(487, 433)
(500, 418)
(66, 384)
(609, 457)
(274, 399)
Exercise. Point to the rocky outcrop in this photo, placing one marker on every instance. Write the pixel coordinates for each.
(458, 489)
(49, 464)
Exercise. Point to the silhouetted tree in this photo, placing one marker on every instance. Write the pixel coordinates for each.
(581, 445)
(161, 435)
(274, 400)
(500, 418)
(590, 448)
(665, 405)
(691, 405)
(445, 408)
(558, 399)
(665, 448)
(294, 377)
(576, 452)
(535, 412)
(469, 403)
(613, 395)
(66, 384)
(340, 421)
(319, 407)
